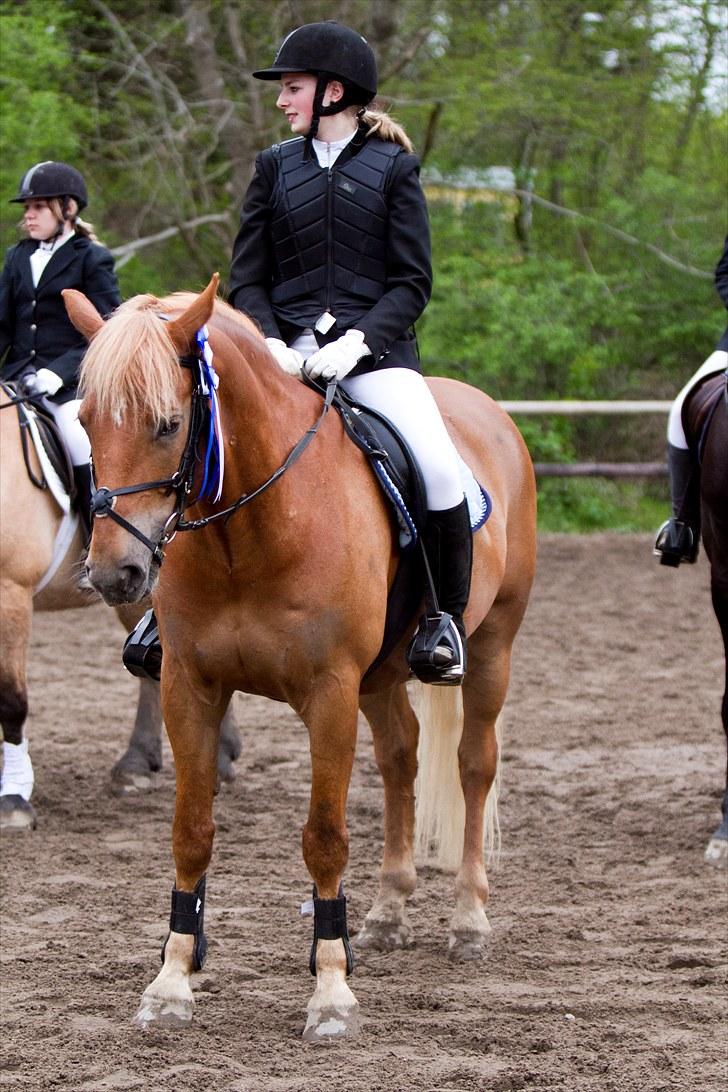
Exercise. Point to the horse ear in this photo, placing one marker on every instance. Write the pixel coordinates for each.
(82, 312)
(182, 330)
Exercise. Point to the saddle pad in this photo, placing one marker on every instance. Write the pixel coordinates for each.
(398, 473)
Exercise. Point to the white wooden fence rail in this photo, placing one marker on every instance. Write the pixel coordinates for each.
(593, 470)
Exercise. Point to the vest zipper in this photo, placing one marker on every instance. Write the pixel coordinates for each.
(329, 236)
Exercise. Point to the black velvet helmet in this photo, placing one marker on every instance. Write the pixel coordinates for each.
(52, 179)
(332, 50)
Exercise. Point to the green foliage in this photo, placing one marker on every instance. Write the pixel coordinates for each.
(38, 118)
(612, 115)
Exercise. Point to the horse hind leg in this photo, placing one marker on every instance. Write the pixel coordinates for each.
(16, 811)
(484, 693)
(395, 731)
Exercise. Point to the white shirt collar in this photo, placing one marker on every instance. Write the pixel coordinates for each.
(54, 244)
(327, 152)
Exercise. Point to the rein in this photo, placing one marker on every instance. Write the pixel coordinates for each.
(180, 483)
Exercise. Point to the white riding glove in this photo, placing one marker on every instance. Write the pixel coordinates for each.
(44, 381)
(336, 360)
(290, 360)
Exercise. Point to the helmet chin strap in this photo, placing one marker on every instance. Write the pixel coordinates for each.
(61, 224)
(319, 110)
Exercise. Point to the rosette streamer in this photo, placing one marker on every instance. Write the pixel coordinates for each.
(214, 468)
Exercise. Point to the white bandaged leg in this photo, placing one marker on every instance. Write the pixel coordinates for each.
(17, 777)
(403, 396)
(716, 362)
(74, 435)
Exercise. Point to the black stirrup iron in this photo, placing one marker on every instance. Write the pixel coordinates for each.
(142, 653)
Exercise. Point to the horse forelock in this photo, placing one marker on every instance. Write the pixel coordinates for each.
(131, 367)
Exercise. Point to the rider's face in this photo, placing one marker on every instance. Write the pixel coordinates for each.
(40, 222)
(296, 100)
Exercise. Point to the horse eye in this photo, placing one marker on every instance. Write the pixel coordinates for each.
(168, 428)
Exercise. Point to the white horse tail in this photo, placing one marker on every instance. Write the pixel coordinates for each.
(440, 805)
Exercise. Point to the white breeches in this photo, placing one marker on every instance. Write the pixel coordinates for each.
(403, 396)
(716, 362)
(72, 431)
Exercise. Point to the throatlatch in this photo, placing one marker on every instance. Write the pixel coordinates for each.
(329, 923)
(188, 917)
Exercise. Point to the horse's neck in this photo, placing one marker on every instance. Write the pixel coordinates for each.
(264, 413)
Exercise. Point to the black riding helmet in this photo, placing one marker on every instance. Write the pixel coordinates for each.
(52, 179)
(330, 51)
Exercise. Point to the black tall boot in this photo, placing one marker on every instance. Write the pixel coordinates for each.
(82, 480)
(678, 538)
(438, 651)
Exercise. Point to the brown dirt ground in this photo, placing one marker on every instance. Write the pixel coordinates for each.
(607, 967)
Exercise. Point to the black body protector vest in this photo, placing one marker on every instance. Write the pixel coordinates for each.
(329, 233)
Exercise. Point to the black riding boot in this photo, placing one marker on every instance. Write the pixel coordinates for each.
(678, 538)
(438, 652)
(82, 480)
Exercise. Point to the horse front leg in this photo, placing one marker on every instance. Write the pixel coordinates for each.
(331, 717)
(16, 810)
(193, 729)
(395, 732)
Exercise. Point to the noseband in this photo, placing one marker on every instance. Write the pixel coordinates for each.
(103, 500)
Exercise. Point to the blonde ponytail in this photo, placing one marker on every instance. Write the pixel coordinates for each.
(384, 127)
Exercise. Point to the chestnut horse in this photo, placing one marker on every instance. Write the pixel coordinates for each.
(705, 416)
(33, 579)
(285, 597)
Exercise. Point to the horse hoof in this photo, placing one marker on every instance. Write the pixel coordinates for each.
(17, 813)
(331, 1024)
(225, 770)
(164, 1012)
(132, 784)
(384, 936)
(466, 945)
(716, 853)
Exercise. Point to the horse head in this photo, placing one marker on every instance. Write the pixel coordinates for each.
(138, 412)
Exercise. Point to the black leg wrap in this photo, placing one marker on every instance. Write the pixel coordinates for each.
(188, 916)
(329, 923)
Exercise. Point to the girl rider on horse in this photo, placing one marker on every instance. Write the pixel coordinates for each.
(678, 538)
(40, 349)
(332, 260)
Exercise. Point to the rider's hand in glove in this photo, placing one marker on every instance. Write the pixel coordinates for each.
(290, 360)
(34, 384)
(336, 360)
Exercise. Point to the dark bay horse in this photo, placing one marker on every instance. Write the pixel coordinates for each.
(39, 571)
(285, 597)
(705, 417)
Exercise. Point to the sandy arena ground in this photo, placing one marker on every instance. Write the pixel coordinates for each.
(607, 967)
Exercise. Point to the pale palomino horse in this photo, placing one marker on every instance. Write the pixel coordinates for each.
(30, 519)
(286, 597)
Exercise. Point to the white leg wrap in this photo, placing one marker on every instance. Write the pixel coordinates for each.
(17, 777)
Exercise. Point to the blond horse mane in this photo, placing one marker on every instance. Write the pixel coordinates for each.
(132, 367)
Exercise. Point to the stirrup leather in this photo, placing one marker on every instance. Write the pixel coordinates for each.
(676, 542)
(436, 653)
(142, 654)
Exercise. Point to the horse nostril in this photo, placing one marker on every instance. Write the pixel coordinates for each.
(131, 578)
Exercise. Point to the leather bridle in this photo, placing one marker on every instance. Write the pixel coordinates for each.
(180, 483)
